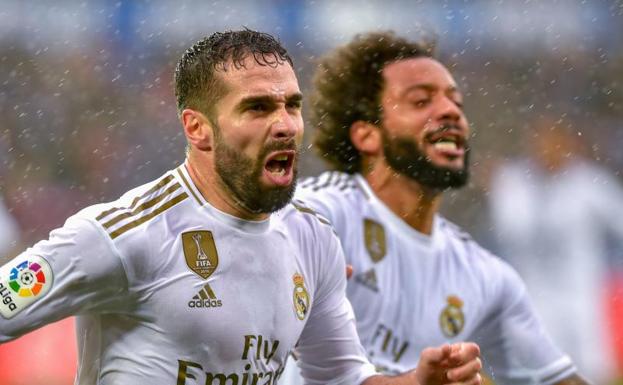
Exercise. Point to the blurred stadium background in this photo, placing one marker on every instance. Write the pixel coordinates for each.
(87, 107)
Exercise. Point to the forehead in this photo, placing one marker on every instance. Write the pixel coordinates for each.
(256, 79)
(403, 74)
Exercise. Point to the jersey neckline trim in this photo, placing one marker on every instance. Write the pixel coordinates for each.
(255, 227)
(389, 216)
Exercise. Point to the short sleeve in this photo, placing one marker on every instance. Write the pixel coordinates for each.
(516, 347)
(329, 343)
(75, 271)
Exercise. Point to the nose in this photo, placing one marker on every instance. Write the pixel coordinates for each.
(448, 109)
(284, 125)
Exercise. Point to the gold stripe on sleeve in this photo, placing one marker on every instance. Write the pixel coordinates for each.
(155, 188)
(143, 206)
(149, 216)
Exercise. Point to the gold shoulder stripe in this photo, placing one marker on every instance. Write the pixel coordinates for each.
(143, 206)
(149, 216)
(188, 186)
(307, 210)
(303, 209)
(155, 188)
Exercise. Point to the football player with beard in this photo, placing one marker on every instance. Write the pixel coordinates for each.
(389, 120)
(209, 274)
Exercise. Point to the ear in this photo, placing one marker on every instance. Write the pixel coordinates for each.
(366, 137)
(198, 129)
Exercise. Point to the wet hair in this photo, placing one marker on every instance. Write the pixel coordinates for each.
(197, 85)
(347, 88)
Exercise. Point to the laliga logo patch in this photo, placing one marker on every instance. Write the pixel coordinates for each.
(300, 297)
(22, 283)
(27, 279)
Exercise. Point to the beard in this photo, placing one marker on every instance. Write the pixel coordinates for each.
(242, 175)
(406, 158)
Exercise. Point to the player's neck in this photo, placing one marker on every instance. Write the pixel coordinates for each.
(413, 203)
(213, 189)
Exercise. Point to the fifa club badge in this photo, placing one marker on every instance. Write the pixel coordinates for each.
(452, 318)
(23, 282)
(200, 252)
(374, 235)
(300, 297)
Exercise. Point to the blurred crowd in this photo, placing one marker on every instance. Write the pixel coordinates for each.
(83, 120)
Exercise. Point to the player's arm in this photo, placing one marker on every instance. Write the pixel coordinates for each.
(516, 345)
(447, 364)
(76, 270)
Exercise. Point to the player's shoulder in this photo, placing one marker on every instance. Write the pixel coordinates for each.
(135, 207)
(466, 247)
(329, 184)
(301, 214)
(497, 275)
(334, 194)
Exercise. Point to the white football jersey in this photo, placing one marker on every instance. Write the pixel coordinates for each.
(169, 290)
(410, 291)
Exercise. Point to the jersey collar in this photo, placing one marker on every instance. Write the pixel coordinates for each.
(181, 173)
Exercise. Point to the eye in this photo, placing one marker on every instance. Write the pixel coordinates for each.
(257, 107)
(421, 102)
(296, 105)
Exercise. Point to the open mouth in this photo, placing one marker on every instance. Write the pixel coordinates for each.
(449, 143)
(279, 167)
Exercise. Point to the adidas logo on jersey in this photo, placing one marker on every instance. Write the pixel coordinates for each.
(205, 298)
(368, 279)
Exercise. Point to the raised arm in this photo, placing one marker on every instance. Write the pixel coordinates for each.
(74, 271)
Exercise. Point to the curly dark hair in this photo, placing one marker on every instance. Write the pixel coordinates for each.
(196, 85)
(347, 88)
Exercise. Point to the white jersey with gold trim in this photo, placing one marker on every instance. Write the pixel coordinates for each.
(169, 290)
(410, 291)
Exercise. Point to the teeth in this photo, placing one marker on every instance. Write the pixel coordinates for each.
(445, 146)
(281, 172)
(281, 158)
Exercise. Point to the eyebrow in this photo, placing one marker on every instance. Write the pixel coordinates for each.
(429, 87)
(267, 99)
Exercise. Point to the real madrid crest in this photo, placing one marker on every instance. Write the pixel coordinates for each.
(300, 297)
(200, 252)
(374, 235)
(452, 318)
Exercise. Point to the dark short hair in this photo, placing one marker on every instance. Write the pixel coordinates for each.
(347, 88)
(196, 83)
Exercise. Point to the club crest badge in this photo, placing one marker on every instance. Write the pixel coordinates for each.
(452, 319)
(200, 252)
(374, 235)
(300, 297)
